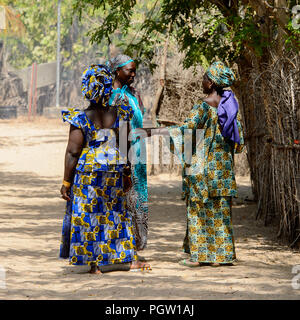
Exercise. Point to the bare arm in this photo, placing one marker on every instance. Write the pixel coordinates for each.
(73, 152)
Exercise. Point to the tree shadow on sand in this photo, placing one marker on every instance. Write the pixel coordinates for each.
(167, 280)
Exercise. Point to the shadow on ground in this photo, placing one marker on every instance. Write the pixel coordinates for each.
(55, 279)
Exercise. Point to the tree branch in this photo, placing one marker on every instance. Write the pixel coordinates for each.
(276, 8)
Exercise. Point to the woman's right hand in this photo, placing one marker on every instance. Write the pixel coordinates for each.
(65, 192)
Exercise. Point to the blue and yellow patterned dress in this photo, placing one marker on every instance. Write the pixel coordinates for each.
(209, 184)
(97, 227)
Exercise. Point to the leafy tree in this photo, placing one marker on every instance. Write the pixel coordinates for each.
(39, 38)
(13, 27)
(246, 34)
(224, 29)
(13, 23)
(38, 22)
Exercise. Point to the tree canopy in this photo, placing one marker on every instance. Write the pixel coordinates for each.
(39, 37)
(38, 20)
(224, 29)
(202, 29)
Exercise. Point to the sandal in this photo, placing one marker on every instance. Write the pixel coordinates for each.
(188, 263)
(143, 267)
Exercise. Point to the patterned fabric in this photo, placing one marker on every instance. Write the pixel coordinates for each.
(97, 84)
(66, 229)
(136, 207)
(100, 151)
(101, 228)
(139, 169)
(97, 227)
(221, 75)
(210, 234)
(208, 184)
(211, 162)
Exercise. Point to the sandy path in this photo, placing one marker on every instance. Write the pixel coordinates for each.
(31, 211)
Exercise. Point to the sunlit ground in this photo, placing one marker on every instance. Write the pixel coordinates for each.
(31, 212)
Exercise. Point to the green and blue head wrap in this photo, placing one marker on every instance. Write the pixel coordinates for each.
(220, 74)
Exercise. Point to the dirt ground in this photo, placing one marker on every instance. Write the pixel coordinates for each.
(31, 213)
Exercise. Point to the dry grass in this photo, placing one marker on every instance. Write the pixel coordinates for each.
(273, 124)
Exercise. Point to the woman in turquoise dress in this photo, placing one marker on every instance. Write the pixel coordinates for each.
(97, 227)
(124, 70)
(209, 180)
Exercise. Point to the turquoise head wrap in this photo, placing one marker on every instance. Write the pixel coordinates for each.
(118, 62)
(220, 74)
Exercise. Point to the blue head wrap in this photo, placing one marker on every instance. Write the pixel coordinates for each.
(97, 87)
(97, 84)
(118, 62)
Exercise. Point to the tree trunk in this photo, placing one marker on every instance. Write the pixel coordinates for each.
(161, 85)
(158, 98)
(1, 56)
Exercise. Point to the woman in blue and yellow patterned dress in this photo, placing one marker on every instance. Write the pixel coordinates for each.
(209, 178)
(97, 228)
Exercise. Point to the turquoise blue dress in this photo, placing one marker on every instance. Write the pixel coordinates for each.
(139, 168)
(97, 227)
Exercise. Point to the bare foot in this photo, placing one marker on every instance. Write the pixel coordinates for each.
(221, 264)
(94, 269)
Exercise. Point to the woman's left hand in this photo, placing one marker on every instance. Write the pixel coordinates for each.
(65, 192)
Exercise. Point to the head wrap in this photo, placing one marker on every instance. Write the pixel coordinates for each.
(97, 84)
(97, 88)
(221, 75)
(118, 62)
